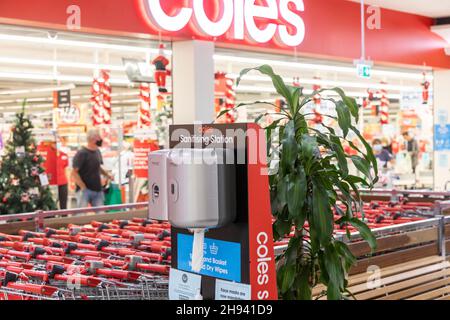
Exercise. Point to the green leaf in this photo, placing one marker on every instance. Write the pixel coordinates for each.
(282, 190)
(340, 155)
(283, 227)
(322, 216)
(296, 192)
(288, 277)
(302, 284)
(277, 81)
(345, 252)
(295, 98)
(370, 156)
(365, 232)
(362, 165)
(292, 250)
(289, 151)
(335, 273)
(349, 102)
(344, 118)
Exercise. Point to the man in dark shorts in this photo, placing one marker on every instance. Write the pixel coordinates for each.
(87, 171)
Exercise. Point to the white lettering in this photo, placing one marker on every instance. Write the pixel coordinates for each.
(253, 11)
(212, 28)
(166, 22)
(296, 21)
(236, 18)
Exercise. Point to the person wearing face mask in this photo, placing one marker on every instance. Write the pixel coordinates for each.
(381, 153)
(87, 172)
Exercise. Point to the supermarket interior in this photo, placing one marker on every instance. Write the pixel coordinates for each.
(94, 205)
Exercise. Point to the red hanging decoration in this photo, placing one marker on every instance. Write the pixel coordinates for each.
(384, 106)
(296, 82)
(370, 97)
(101, 99)
(161, 71)
(317, 97)
(144, 109)
(425, 89)
(227, 99)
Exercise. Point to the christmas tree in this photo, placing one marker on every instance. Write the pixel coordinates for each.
(21, 171)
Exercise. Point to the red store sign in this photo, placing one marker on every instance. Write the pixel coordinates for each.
(319, 28)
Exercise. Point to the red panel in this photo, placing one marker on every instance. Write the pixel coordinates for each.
(262, 260)
(332, 28)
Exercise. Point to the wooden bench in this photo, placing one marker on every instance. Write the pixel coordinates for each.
(422, 279)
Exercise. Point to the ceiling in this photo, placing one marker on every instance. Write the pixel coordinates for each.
(429, 8)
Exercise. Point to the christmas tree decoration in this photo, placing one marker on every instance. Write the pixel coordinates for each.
(20, 174)
(161, 71)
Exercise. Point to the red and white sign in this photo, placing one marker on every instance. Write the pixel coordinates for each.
(238, 19)
(141, 150)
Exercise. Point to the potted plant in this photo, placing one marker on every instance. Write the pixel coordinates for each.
(312, 178)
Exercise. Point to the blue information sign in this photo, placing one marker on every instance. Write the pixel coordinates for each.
(442, 137)
(221, 259)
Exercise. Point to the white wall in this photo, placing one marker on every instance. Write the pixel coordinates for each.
(441, 117)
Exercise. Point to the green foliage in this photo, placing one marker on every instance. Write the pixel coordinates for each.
(313, 176)
(20, 167)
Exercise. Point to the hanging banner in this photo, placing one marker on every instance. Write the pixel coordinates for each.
(61, 99)
(141, 150)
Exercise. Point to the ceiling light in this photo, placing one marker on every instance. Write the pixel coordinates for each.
(317, 67)
(328, 83)
(51, 77)
(60, 64)
(307, 91)
(82, 44)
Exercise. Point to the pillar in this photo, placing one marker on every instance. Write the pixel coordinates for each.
(441, 129)
(193, 81)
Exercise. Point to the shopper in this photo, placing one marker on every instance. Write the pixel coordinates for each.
(381, 153)
(62, 162)
(412, 147)
(87, 171)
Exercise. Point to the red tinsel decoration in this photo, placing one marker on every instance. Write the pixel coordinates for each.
(144, 110)
(101, 99)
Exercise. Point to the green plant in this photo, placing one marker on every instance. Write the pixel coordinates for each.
(312, 177)
(20, 187)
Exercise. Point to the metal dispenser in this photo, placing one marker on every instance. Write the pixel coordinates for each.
(195, 189)
(202, 188)
(157, 184)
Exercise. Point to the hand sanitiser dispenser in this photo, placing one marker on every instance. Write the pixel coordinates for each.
(201, 193)
(196, 188)
(157, 183)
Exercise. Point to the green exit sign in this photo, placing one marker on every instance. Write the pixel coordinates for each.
(364, 70)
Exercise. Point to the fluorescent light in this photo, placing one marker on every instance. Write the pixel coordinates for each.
(38, 89)
(51, 77)
(346, 84)
(317, 67)
(61, 64)
(307, 91)
(82, 44)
